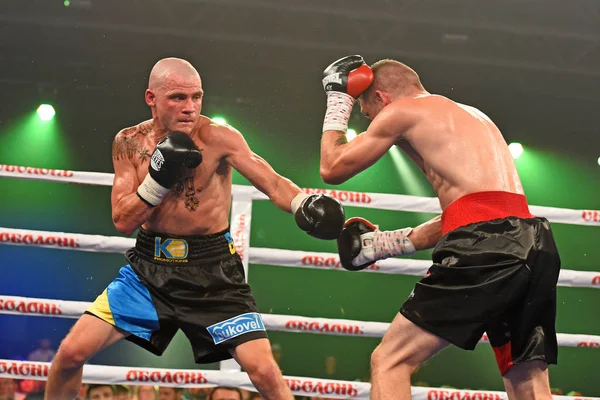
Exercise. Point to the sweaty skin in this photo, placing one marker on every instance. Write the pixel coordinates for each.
(459, 149)
(199, 202)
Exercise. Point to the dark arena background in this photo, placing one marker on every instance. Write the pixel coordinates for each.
(532, 66)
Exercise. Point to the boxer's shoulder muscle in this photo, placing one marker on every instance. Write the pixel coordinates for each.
(130, 143)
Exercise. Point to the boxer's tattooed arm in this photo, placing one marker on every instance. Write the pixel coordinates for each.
(341, 140)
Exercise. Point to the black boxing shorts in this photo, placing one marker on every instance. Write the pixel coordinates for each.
(494, 270)
(193, 283)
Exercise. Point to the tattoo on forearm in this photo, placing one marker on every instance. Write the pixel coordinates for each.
(341, 140)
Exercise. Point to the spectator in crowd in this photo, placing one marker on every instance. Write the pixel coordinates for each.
(170, 393)
(27, 386)
(196, 393)
(123, 392)
(101, 392)
(146, 393)
(44, 353)
(82, 395)
(7, 388)
(225, 393)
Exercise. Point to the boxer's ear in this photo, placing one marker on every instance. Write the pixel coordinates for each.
(150, 97)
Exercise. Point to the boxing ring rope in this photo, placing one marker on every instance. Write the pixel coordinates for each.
(273, 322)
(256, 255)
(310, 387)
(240, 228)
(394, 202)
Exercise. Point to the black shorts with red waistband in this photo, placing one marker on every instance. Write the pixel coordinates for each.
(494, 270)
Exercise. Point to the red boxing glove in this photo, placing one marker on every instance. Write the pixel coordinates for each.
(343, 81)
(350, 75)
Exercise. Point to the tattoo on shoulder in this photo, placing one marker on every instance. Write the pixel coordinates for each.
(143, 154)
(341, 140)
(145, 127)
(125, 144)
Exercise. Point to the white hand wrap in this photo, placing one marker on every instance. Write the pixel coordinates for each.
(297, 201)
(339, 108)
(151, 192)
(392, 243)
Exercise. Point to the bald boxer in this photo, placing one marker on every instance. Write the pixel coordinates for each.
(173, 179)
(495, 266)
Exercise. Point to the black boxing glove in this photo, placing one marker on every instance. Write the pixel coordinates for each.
(343, 81)
(358, 249)
(318, 215)
(171, 155)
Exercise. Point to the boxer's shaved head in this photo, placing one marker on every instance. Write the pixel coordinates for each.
(174, 95)
(170, 70)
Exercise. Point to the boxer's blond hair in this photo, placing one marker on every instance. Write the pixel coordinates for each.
(393, 77)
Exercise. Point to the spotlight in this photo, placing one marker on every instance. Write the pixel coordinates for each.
(350, 134)
(46, 112)
(219, 120)
(516, 149)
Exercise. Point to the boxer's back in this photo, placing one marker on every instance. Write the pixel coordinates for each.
(460, 149)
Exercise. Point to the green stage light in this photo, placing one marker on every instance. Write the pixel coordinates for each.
(598, 160)
(219, 120)
(67, 3)
(46, 112)
(516, 149)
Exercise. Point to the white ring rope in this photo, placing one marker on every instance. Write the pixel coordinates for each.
(311, 387)
(380, 201)
(273, 322)
(257, 255)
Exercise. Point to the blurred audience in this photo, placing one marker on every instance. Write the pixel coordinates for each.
(170, 393)
(196, 393)
(123, 392)
(44, 353)
(101, 392)
(225, 393)
(146, 393)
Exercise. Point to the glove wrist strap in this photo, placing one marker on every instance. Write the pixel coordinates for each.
(339, 108)
(151, 191)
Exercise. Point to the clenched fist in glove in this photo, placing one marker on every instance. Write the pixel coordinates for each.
(319, 215)
(362, 244)
(343, 81)
(171, 155)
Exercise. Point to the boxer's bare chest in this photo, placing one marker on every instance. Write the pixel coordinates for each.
(209, 179)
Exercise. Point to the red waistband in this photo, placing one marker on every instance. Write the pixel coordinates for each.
(483, 206)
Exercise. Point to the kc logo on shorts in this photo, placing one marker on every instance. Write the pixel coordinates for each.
(173, 249)
(236, 326)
